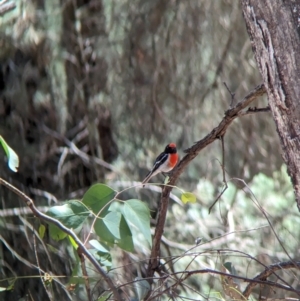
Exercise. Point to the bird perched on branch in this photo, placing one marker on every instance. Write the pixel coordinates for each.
(165, 162)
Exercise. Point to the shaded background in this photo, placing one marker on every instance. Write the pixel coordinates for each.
(86, 81)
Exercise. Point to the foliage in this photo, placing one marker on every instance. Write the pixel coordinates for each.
(112, 223)
(13, 159)
(87, 81)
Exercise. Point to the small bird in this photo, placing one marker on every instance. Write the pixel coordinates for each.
(165, 162)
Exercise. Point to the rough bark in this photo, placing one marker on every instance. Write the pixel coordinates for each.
(272, 27)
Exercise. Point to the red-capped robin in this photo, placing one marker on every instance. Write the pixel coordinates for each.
(165, 162)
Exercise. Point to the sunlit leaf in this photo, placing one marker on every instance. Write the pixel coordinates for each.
(188, 197)
(72, 215)
(13, 159)
(99, 246)
(97, 198)
(137, 213)
(42, 230)
(73, 242)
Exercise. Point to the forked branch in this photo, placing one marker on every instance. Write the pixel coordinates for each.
(191, 153)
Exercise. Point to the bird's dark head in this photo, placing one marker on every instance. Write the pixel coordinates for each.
(171, 148)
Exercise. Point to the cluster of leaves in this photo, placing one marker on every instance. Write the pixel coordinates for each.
(113, 222)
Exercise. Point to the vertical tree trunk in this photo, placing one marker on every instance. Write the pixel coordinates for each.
(272, 26)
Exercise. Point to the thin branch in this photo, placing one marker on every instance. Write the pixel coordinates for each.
(6, 7)
(19, 211)
(85, 274)
(48, 292)
(252, 282)
(74, 149)
(268, 272)
(29, 202)
(232, 94)
(192, 152)
(224, 176)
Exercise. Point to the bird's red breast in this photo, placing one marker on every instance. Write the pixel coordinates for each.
(173, 160)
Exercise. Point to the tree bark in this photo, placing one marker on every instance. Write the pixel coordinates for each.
(273, 29)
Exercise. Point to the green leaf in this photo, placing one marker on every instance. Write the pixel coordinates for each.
(137, 213)
(76, 277)
(42, 230)
(97, 197)
(112, 221)
(104, 298)
(104, 259)
(72, 215)
(108, 228)
(142, 287)
(73, 242)
(56, 233)
(113, 228)
(13, 159)
(99, 246)
(126, 242)
(2, 289)
(230, 267)
(188, 197)
(101, 253)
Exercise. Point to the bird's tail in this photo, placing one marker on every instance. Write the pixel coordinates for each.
(148, 177)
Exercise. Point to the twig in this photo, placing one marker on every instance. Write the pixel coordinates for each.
(85, 274)
(224, 176)
(21, 211)
(192, 152)
(29, 202)
(262, 210)
(224, 54)
(253, 282)
(39, 269)
(82, 155)
(268, 272)
(6, 7)
(29, 264)
(232, 94)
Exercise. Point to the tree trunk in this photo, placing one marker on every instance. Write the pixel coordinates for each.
(273, 29)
